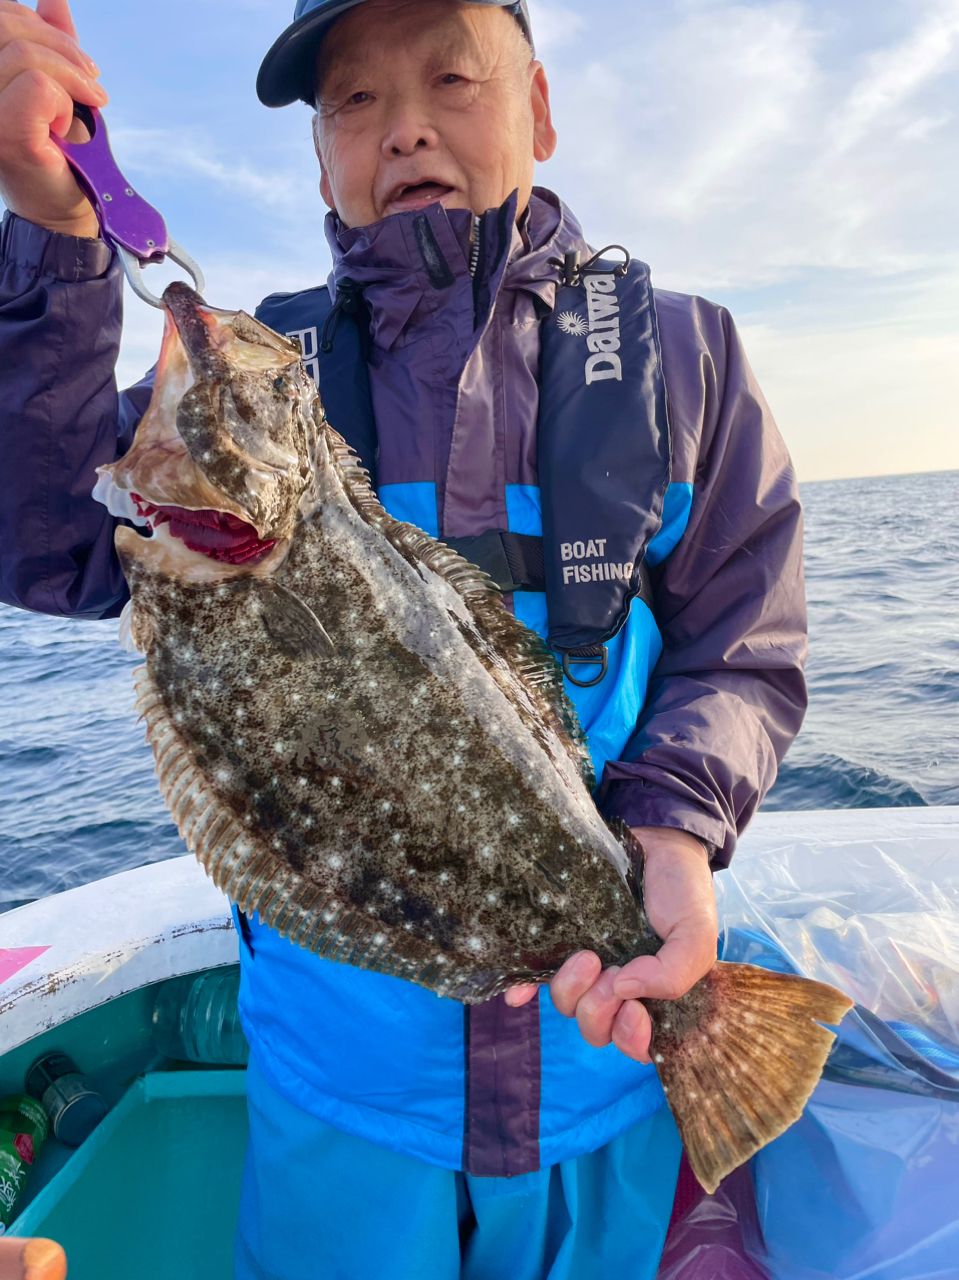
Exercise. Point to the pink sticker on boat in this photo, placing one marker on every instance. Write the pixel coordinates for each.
(13, 959)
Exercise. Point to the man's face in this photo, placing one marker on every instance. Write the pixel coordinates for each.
(422, 101)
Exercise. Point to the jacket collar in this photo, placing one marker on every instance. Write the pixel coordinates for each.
(413, 265)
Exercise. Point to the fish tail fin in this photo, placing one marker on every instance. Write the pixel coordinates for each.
(739, 1056)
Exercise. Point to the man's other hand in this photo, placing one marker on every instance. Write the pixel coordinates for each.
(681, 906)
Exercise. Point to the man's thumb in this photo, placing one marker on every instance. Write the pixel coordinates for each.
(57, 13)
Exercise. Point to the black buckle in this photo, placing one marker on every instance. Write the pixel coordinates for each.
(586, 660)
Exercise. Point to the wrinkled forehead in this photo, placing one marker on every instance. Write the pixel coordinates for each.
(434, 32)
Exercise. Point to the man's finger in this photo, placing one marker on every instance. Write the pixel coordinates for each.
(632, 1031)
(597, 1009)
(516, 997)
(573, 981)
(686, 956)
(57, 13)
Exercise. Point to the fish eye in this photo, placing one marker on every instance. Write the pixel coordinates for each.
(280, 383)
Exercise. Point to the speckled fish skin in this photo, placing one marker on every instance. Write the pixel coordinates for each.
(409, 802)
(363, 746)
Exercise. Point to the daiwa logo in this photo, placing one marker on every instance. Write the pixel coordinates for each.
(309, 343)
(604, 337)
(601, 330)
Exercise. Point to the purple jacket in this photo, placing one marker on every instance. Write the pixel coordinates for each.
(728, 694)
(455, 394)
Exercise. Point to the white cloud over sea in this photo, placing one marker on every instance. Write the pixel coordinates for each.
(796, 160)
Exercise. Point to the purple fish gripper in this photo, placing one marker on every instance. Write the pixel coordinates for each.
(132, 226)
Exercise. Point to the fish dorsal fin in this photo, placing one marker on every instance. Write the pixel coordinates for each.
(530, 676)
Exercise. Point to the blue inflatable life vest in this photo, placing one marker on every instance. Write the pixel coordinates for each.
(603, 470)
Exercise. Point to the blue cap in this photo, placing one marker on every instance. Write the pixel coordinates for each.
(287, 71)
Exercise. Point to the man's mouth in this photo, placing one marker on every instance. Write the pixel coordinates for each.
(416, 195)
(215, 534)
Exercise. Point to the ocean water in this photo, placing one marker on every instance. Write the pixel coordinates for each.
(78, 798)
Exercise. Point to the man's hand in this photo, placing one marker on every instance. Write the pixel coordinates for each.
(681, 906)
(43, 71)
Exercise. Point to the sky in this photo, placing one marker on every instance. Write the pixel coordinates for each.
(795, 160)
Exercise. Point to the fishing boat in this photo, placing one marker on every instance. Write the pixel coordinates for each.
(868, 900)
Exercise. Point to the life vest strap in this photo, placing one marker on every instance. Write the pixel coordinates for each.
(513, 560)
(515, 563)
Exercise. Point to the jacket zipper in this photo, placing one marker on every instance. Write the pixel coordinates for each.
(478, 266)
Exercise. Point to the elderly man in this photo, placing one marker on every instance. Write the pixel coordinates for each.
(601, 449)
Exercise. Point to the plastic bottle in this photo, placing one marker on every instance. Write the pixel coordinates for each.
(73, 1107)
(23, 1130)
(195, 1019)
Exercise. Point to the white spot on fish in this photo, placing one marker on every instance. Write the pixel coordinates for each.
(544, 899)
(486, 851)
(302, 782)
(336, 783)
(492, 899)
(658, 1057)
(335, 861)
(461, 808)
(279, 747)
(533, 930)
(456, 758)
(439, 959)
(397, 837)
(223, 775)
(444, 877)
(514, 820)
(379, 939)
(475, 944)
(386, 806)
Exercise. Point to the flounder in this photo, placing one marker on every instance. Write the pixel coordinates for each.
(362, 745)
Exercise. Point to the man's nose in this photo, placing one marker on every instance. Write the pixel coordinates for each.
(408, 130)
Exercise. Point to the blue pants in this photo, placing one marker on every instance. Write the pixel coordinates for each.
(319, 1204)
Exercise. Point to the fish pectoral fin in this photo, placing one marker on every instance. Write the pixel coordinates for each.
(291, 624)
(739, 1056)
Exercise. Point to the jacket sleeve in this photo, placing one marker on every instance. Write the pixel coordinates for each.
(728, 694)
(60, 418)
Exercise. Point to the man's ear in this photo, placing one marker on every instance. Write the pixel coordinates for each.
(326, 190)
(544, 134)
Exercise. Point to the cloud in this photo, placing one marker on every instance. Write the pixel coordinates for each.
(554, 26)
(893, 76)
(742, 144)
(165, 152)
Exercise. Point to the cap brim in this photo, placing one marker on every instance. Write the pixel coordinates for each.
(286, 73)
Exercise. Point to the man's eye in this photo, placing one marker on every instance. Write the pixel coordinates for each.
(358, 99)
(451, 78)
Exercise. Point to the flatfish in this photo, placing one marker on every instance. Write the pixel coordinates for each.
(364, 747)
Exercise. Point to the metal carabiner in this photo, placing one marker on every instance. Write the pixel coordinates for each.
(134, 272)
(129, 224)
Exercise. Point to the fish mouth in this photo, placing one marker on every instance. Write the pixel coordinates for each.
(170, 485)
(218, 535)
